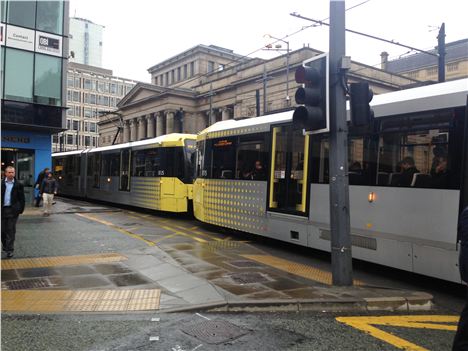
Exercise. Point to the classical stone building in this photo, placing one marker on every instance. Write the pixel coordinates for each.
(206, 84)
(424, 67)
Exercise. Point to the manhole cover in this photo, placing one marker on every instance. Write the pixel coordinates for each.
(35, 283)
(215, 332)
(249, 278)
(244, 264)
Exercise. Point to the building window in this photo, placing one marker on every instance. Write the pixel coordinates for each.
(87, 112)
(18, 74)
(211, 66)
(76, 96)
(113, 88)
(87, 84)
(70, 82)
(92, 127)
(178, 74)
(77, 82)
(432, 71)
(414, 74)
(48, 80)
(185, 71)
(172, 77)
(50, 16)
(76, 125)
(192, 68)
(452, 67)
(167, 79)
(87, 140)
(69, 139)
(22, 13)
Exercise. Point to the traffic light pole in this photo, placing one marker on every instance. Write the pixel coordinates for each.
(339, 190)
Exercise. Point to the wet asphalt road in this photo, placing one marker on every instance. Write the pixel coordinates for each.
(271, 331)
(260, 331)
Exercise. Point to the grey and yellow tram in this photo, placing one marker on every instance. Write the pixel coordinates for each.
(154, 173)
(262, 176)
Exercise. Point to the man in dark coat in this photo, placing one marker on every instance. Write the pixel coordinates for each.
(12, 206)
(38, 184)
(408, 171)
(460, 342)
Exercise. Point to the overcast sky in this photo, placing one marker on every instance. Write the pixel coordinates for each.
(141, 33)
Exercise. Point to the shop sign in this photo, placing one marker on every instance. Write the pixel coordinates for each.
(48, 44)
(15, 139)
(20, 38)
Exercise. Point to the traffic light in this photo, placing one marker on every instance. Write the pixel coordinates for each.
(361, 95)
(313, 95)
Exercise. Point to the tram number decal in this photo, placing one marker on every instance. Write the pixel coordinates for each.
(204, 173)
(160, 173)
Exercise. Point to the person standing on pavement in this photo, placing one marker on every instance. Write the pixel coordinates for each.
(460, 343)
(48, 190)
(39, 180)
(12, 206)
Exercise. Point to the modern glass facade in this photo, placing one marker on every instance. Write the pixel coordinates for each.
(34, 55)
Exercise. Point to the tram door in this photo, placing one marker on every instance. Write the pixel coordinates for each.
(288, 171)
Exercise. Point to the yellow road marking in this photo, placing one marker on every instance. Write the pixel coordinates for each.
(165, 237)
(113, 226)
(80, 300)
(61, 261)
(178, 232)
(365, 324)
(171, 224)
(299, 269)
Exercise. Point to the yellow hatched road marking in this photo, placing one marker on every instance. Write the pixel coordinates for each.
(80, 300)
(299, 269)
(366, 324)
(61, 261)
(176, 227)
(119, 229)
(178, 232)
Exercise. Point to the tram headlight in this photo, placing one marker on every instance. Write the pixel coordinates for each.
(108, 180)
(371, 197)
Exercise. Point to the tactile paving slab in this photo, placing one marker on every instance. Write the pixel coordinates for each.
(80, 300)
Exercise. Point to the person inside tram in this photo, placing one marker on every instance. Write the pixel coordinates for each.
(440, 174)
(408, 169)
(258, 173)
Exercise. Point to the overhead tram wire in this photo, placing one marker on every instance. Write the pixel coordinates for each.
(235, 61)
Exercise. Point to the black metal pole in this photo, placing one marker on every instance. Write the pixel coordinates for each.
(257, 101)
(441, 52)
(339, 191)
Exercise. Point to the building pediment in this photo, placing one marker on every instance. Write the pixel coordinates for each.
(144, 92)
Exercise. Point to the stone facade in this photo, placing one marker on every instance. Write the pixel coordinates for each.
(209, 95)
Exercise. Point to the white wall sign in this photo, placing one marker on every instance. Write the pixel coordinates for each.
(48, 44)
(20, 38)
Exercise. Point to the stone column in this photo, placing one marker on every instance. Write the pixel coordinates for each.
(169, 122)
(126, 132)
(133, 130)
(226, 114)
(150, 126)
(160, 127)
(141, 128)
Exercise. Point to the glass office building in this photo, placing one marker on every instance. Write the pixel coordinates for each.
(34, 54)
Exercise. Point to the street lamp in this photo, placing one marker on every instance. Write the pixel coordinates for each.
(278, 48)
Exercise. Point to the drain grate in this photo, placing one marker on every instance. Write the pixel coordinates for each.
(36, 283)
(249, 278)
(244, 264)
(215, 331)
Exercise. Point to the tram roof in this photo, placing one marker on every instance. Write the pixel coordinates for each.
(430, 97)
(173, 139)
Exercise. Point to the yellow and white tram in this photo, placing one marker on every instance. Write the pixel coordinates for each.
(262, 176)
(154, 173)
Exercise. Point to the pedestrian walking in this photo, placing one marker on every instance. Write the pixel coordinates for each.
(39, 180)
(460, 343)
(48, 190)
(12, 206)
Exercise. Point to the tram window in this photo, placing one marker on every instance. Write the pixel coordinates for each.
(319, 168)
(190, 154)
(138, 169)
(94, 163)
(421, 156)
(249, 152)
(58, 167)
(224, 158)
(110, 164)
(204, 159)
